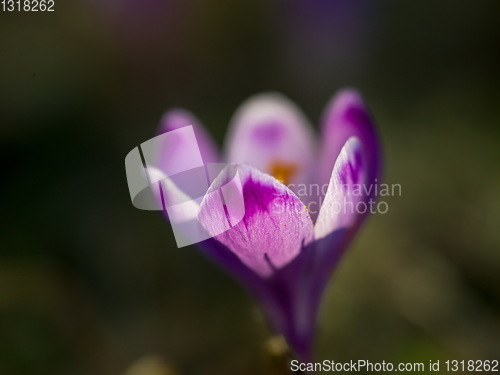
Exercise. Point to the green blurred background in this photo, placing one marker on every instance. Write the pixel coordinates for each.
(90, 285)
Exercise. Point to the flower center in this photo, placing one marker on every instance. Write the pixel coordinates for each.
(283, 171)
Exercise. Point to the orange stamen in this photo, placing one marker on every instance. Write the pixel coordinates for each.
(282, 171)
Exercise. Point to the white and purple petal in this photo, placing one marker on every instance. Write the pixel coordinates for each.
(341, 214)
(269, 251)
(347, 116)
(274, 228)
(346, 190)
(179, 118)
(270, 132)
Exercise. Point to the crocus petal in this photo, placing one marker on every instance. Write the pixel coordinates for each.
(349, 139)
(346, 189)
(269, 132)
(275, 226)
(333, 229)
(346, 116)
(269, 251)
(340, 215)
(345, 205)
(179, 118)
(182, 150)
(181, 210)
(170, 196)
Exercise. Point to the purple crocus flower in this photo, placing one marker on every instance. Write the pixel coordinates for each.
(282, 251)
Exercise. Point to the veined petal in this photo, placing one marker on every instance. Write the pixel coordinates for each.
(346, 189)
(180, 209)
(275, 226)
(340, 215)
(347, 116)
(179, 118)
(271, 133)
(181, 151)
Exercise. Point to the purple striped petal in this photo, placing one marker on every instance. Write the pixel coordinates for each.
(344, 207)
(184, 152)
(275, 226)
(350, 139)
(347, 116)
(345, 199)
(270, 252)
(269, 132)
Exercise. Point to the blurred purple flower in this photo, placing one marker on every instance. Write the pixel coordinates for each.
(276, 251)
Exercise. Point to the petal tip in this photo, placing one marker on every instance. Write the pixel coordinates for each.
(346, 98)
(175, 118)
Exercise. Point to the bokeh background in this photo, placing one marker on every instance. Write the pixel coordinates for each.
(90, 285)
